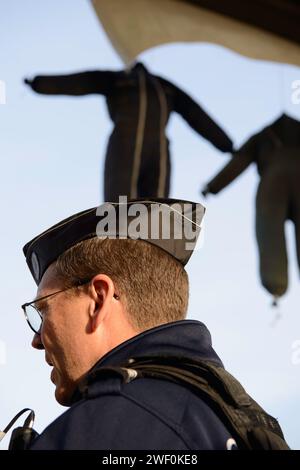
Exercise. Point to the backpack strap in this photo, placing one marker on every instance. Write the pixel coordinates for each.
(249, 424)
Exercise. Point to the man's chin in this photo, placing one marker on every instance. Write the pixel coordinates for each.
(63, 395)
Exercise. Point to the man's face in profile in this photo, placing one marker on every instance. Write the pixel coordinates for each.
(63, 334)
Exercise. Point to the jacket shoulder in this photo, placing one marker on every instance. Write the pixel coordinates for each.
(120, 418)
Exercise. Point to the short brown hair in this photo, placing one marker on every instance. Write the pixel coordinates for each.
(152, 284)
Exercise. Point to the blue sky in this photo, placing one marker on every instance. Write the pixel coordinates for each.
(52, 154)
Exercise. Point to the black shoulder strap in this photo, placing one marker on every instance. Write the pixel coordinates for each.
(250, 425)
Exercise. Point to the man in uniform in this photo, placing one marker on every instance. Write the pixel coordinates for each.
(102, 301)
(112, 290)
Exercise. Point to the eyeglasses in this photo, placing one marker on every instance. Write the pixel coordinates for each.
(34, 315)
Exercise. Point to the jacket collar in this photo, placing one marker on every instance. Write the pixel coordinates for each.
(188, 338)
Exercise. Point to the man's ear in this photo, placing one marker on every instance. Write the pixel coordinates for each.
(102, 291)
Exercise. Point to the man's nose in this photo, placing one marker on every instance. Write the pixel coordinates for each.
(37, 342)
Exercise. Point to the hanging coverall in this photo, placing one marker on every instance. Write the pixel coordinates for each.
(276, 151)
(137, 161)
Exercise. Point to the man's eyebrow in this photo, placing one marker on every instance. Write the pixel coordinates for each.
(39, 303)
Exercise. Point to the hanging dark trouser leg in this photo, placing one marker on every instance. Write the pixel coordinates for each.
(271, 213)
(154, 178)
(295, 206)
(118, 167)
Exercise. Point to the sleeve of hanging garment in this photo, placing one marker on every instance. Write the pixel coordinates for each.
(199, 120)
(240, 160)
(75, 84)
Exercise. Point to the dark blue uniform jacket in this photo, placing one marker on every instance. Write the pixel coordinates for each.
(145, 413)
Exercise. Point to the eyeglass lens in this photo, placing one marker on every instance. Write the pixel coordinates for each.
(33, 318)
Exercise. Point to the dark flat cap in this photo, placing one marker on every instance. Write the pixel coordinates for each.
(170, 224)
